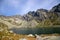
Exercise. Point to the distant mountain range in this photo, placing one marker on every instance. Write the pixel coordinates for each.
(38, 18)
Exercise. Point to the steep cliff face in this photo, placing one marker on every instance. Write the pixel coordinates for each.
(56, 8)
(40, 14)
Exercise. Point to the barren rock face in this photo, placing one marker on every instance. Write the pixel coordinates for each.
(56, 8)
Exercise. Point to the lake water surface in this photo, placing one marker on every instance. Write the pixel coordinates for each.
(45, 30)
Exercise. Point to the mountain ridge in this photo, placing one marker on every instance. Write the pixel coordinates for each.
(35, 18)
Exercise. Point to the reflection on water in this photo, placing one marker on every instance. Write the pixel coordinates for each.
(45, 30)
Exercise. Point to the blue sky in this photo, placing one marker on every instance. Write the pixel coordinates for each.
(13, 7)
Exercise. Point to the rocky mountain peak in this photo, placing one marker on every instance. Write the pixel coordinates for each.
(56, 8)
(42, 10)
